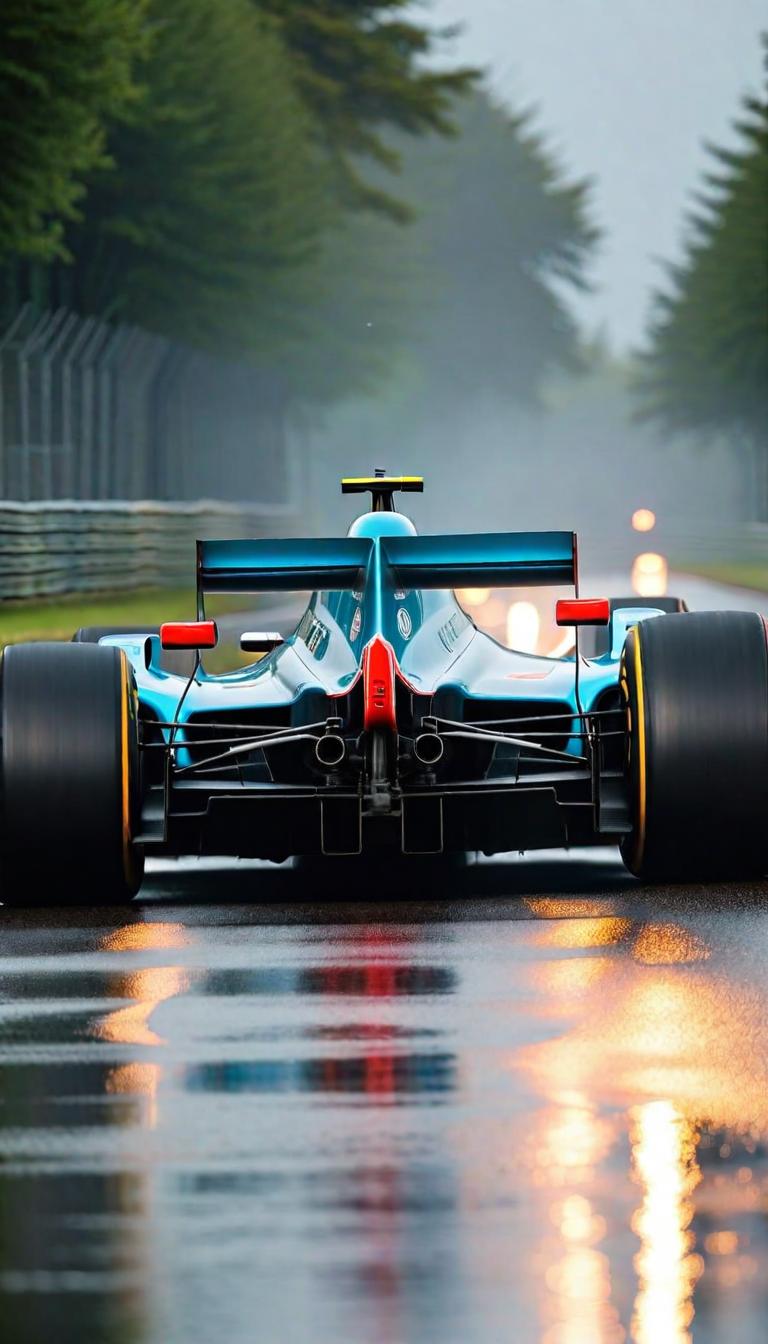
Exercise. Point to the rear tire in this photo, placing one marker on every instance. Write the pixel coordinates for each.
(697, 692)
(70, 798)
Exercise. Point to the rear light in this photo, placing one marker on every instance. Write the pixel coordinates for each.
(189, 635)
(583, 611)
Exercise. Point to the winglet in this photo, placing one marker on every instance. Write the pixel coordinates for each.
(382, 488)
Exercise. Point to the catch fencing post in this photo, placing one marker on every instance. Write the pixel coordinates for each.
(163, 412)
(26, 349)
(58, 328)
(152, 353)
(69, 472)
(111, 348)
(98, 336)
(6, 341)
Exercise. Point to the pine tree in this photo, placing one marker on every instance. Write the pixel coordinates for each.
(469, 298)
(357, 65)
(217, 199)
(504, 237)
(66, 67)
(706, 369)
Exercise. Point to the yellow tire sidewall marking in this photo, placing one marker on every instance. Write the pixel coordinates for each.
(642, 778)
(125, 770)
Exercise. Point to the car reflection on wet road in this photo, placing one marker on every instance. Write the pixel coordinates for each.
(504, 1114)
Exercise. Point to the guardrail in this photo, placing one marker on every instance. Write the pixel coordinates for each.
(73, 546)
(740, 543)
(682, 540)
(66, 546)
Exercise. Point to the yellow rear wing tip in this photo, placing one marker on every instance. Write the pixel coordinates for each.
(357, 485)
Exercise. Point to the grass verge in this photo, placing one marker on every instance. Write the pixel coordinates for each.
(60, 618)
(738, 573)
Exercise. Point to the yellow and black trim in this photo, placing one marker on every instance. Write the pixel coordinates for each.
(631, 684)
(382, 488)
(129, 768)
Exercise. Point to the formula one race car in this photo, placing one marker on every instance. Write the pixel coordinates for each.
(387, 723)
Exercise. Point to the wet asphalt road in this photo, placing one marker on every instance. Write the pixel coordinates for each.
(524, 1102)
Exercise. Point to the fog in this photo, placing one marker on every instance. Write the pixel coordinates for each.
(624, 97)
(581, 463)
(629, 93)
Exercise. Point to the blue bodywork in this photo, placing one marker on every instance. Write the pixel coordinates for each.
(436, 643)
(386, 720)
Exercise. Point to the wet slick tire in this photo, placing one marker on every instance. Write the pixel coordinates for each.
(697, 691)
(70, 801)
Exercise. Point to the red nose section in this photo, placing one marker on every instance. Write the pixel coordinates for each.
(379, 685)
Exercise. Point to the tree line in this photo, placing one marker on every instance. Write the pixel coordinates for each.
(304, 185)
(288, 182)
(704, 371)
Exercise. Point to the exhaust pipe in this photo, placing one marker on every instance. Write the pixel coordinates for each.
(330, 749)
(428, 748)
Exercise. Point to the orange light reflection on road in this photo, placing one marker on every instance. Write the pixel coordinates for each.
(580, 1280)
(148, 986)
(664, 1161)
(144, 937)
(567, 978)
(584, 933)
(572, 1141)
(667, 945)
(655, 1025)
(559, 979)
(568, 907)
(643, 1038)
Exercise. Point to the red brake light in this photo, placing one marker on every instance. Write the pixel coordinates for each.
(189, 635)
(583, 611)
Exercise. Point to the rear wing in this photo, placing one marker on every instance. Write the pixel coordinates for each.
(267, 566)
(466, 560)
(482, 559)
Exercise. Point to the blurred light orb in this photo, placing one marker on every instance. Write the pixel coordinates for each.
(492, 614)
(650, 573)
(473, 597)
(523, 627)
(643, 520)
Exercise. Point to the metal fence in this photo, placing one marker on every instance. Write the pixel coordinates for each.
(94, 410)
(54, 548)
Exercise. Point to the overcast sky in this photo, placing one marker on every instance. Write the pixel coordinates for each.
(627, 91)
